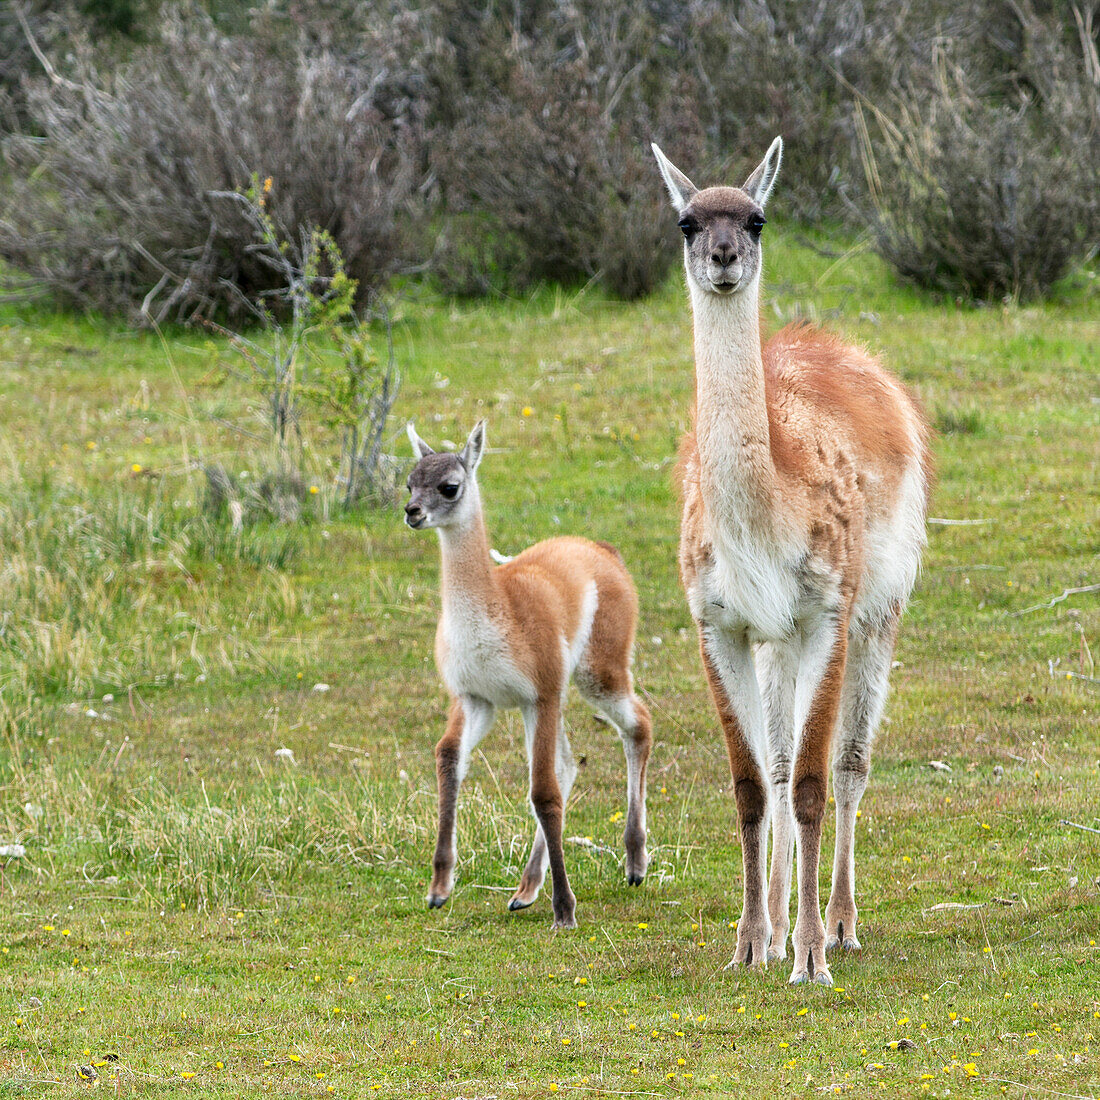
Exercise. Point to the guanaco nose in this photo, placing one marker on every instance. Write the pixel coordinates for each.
(413, 511)
(724, 253)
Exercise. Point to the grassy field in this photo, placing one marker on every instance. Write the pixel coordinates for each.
(196, 915)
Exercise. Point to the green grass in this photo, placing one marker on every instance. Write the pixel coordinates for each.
(187, 897)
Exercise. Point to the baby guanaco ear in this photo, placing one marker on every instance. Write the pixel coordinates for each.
(470, 455)
(680, 188)
(420, 448)
(759, 185)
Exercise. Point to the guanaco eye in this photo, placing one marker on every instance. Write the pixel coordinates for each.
(756, 223)
(687, 227)
(448, 492)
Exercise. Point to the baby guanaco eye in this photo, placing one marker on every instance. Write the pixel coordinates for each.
(687, 227)
(756, 223)
(448, 492)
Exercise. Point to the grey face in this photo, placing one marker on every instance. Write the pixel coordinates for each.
(722, 225)
(721, 228)
(437, 486)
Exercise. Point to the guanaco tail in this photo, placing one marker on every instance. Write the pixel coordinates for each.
(805, 482)
(512, 635)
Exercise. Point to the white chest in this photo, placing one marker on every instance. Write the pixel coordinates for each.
(474, 658)
(748, 585)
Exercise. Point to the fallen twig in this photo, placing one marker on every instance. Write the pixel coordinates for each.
(1081, 676)
(1057, 599)
(584, 842)
(1030, 1086)
(937, 521)
(988, 945)
(1083, 828)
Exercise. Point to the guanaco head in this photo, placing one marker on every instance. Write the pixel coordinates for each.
(443, 486)
(721, 225)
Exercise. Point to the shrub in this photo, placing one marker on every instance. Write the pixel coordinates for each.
(520, 133)
(768, 67)
(118, 184)
(542, 151)
(315, 354)
(555, 190)
(990, 189)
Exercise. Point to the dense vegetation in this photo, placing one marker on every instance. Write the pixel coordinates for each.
(493, 146)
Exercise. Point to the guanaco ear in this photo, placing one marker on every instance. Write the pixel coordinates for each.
(420, 448)
(680, 188)
(470, 455)
(759, 185)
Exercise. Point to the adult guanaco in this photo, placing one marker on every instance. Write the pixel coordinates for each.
(805, 482)
(512, 635)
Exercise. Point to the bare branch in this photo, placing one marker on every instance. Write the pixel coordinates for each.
(43, 60)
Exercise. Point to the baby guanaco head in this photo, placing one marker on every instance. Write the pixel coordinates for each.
(442, 487)
(722, 225)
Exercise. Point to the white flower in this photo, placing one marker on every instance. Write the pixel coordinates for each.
(12, 851)
(320, 688)
(287, 755)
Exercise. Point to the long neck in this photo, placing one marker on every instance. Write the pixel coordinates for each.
(467, 569)
(738, 475)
